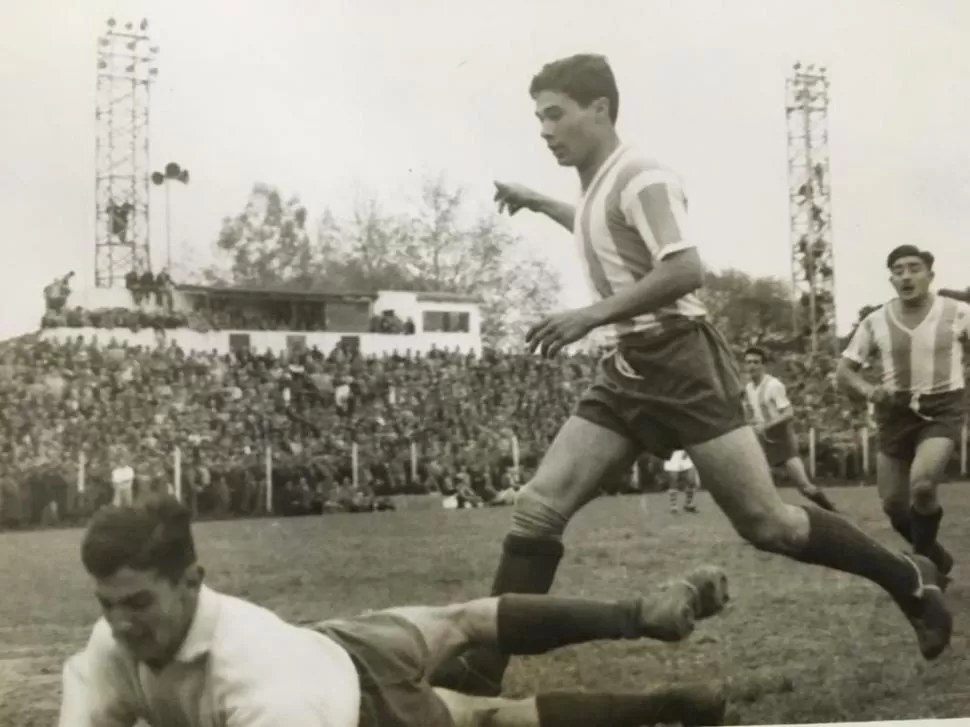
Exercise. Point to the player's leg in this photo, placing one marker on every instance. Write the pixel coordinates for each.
(587, 449)
(733, 467)
(795, 469)
(673, 489)
(691, 483)
(928, 469)
(895, 466)
(690, 705)
(892, 482)
(737, 476)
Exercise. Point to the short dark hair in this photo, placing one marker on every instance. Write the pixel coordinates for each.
(910, 251)
(756, 351)
(583, 77)
(154, 535)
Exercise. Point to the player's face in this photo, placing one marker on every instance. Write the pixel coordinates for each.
(148, 614)
(911, 278)
(567, 128)
(754, 366)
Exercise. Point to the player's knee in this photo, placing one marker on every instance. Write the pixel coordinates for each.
(473, 622)
(923, 490)
(535, 515)
(774, 531)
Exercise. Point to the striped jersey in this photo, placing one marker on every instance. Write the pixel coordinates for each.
(767, 398)
(632, 214)
(927, 359)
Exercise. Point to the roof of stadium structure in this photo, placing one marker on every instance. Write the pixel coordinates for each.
(255, 291)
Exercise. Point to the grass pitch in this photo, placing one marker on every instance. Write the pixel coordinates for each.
(798, 643)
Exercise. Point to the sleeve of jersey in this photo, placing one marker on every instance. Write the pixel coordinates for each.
(653, 202)
(93, 692)
(860, 347)
(780, 396)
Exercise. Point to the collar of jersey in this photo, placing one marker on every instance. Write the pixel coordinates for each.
(198, 641)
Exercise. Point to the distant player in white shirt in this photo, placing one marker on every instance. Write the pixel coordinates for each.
(171, 651)
(918, 339)
(772, 417)
(122, 477)
(681, 477)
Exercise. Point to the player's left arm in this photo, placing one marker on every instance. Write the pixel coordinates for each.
(655, 205)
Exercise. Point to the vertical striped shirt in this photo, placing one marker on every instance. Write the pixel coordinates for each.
(767, 398)
(927, 359)
(633, 214)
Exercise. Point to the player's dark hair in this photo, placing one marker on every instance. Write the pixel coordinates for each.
(910, 251)
(756, 351)
(155, 535)
(583, 77)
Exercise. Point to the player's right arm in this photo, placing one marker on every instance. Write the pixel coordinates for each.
(94, 688)
(513, 197)
(860, 348)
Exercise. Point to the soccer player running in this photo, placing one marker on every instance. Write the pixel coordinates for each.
(171, 651)
(773, 415)
(919, 405)
(671, 381)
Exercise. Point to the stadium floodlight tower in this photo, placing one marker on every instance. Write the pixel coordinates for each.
(126, 70)
(810, 207)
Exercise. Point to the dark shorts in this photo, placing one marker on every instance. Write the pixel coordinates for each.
(779, 444)
(391, 658)
(685, 389)
(901, 429)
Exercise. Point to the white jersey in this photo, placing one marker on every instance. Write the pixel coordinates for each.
(679, 461)
(123, 481)
(633, 213)
(927, 359)
(766, 399)
(239, 665)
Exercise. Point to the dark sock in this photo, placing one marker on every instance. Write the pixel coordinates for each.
(836, 543)
(529, 624)
(528, 565)
(925, 528)
(597, 709)
(901, 523)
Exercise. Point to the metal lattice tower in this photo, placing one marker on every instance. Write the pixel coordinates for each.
(810, 207)
(126, 69)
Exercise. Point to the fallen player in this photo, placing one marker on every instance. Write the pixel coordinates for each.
(170, 650)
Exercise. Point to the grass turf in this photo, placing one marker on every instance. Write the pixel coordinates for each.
(798, 644)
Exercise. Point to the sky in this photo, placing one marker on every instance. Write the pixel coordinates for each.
(332, 100)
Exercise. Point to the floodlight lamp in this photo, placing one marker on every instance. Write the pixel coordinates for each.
(184, 176)
(158, 178)
(172, 170)
(130, 69)
(144, 24)
(111, 22)
(128, 26)
(153, 72)
(102, 64)
(131, 45)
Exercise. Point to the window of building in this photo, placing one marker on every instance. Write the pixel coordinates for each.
(436, 321)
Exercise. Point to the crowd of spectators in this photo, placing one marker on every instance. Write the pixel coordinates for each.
(125, 406)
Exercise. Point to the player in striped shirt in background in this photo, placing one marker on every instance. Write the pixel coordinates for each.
(670, 382)
(772, 418)
(918, 339)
